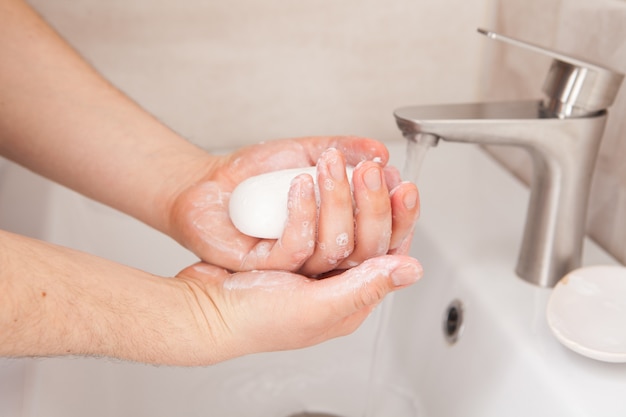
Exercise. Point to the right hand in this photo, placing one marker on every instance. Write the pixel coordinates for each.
(380, 221)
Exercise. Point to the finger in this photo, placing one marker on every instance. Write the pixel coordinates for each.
(405, 208)
(355, 149)
(373, 214)
(297, 243)
(366, 285)
(392, 177)
(335, 225)
(405, 245)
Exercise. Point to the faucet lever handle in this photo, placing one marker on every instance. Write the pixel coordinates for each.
(574, 87)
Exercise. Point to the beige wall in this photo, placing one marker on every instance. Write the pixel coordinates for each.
(225, 73)
(596, 30)
(229, 73)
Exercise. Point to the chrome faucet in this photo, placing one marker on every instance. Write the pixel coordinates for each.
(562, 134)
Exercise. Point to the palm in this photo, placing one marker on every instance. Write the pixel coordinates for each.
(258, 311)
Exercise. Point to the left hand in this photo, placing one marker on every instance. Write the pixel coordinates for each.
(338, 237)
(259, 311)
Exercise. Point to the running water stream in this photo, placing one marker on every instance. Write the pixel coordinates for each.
(415, 152)
(375, 397)
(378, 403)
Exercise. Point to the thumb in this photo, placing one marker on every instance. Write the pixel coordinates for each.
(366, 285)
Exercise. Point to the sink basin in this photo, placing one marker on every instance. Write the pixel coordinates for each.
(401, 363)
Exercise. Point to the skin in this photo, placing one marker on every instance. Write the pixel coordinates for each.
(66, 302)
(60, 118)
(200, 213)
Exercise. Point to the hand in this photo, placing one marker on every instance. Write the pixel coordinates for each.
(258, 311)
(338, 237)
(59, 301)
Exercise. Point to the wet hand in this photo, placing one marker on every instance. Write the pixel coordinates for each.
(258, 311)
(374, 218)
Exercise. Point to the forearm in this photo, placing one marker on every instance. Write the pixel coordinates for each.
(60, 118)
(56, 301)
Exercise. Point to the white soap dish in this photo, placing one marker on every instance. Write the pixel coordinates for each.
(587, 312)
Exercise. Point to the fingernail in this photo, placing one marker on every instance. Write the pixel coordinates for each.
(406, 274)
(410, 199)
(372, 178)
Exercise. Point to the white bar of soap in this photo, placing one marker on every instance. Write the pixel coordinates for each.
(258, 205)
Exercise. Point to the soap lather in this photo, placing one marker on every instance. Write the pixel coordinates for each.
(258, 205)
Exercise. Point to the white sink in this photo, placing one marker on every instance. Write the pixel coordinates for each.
(398, 364)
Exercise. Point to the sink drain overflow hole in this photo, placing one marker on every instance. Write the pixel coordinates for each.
(453, 321)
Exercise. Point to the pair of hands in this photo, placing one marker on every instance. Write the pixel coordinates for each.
(373, 217)
(260, 291)
(251, 295)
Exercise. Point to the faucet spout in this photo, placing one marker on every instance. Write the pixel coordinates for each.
(563, 151)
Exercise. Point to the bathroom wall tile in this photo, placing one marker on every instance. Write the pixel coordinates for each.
(595, 30)
(230, 73)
